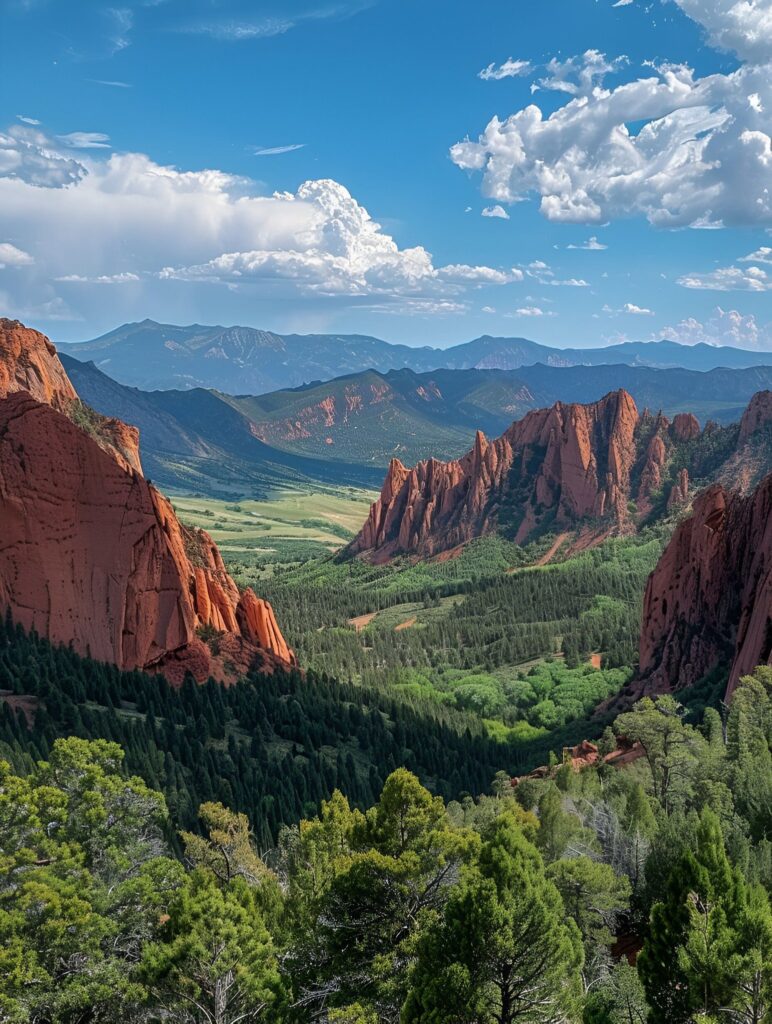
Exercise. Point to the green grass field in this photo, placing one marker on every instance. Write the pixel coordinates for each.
(289, 528)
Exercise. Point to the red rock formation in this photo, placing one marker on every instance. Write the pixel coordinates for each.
(679, 493)
(91, 554)
(28, 362)
(566, 463)
(709, 601)
(757, 416)
(685, 426)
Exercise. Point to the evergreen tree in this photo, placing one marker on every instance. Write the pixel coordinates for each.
(502, 951)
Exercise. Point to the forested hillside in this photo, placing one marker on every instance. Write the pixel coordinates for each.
(524, 905)
(271, 746)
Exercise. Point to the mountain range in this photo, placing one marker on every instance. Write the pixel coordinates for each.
(196, 441)
(348, 429)
(241, 360)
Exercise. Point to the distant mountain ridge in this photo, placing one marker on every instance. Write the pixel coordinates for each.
(242, 360)
(346, 431)
(373, 417)
(195, 441)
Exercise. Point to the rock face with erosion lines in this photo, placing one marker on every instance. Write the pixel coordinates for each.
(709, 601)
(594, 470)
(559, 466)
(92, 554)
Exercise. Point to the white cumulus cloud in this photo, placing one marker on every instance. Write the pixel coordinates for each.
(123, 219)
(741, 26)
(344, 252)
(630, 307)
(729, 279)
(761, 255)
(532, 311)
(724, 327)
(27, 154)
(680, 149)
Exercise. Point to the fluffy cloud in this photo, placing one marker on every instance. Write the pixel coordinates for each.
(495, 211)
(730, 279)
(741, 26)
(27, 154)
(725, 327)
(10, 256)
(630, 307)
(579, 76)
(343, 253)
(761, 255)
(509, 69)
(532, 311)
(679, 149)
(125, 220)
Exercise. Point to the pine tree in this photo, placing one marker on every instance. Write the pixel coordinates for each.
(502, 951)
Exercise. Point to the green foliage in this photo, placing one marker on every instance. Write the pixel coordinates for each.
(489, 611)
(213, 959)
(502, 950)
(271, 747)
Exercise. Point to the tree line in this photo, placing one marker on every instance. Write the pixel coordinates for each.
(516, 906)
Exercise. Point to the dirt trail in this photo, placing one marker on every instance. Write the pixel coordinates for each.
(360, 621)
(406, 624)
(547, 556)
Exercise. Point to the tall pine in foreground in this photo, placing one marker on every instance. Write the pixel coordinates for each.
(695, 932)
(502, 951)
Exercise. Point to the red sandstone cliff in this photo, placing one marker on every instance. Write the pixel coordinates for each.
(710, 598)
(562, 465)
(28, 362)
(757, 416)
(91, 553)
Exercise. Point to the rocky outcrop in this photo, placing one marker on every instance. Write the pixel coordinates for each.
(560, 465)
(757, 416)
(28, 362)
(709, 601)
(92, 554)
(679, 492)
(685, 426)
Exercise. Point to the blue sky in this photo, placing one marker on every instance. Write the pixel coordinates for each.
(224, 161)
